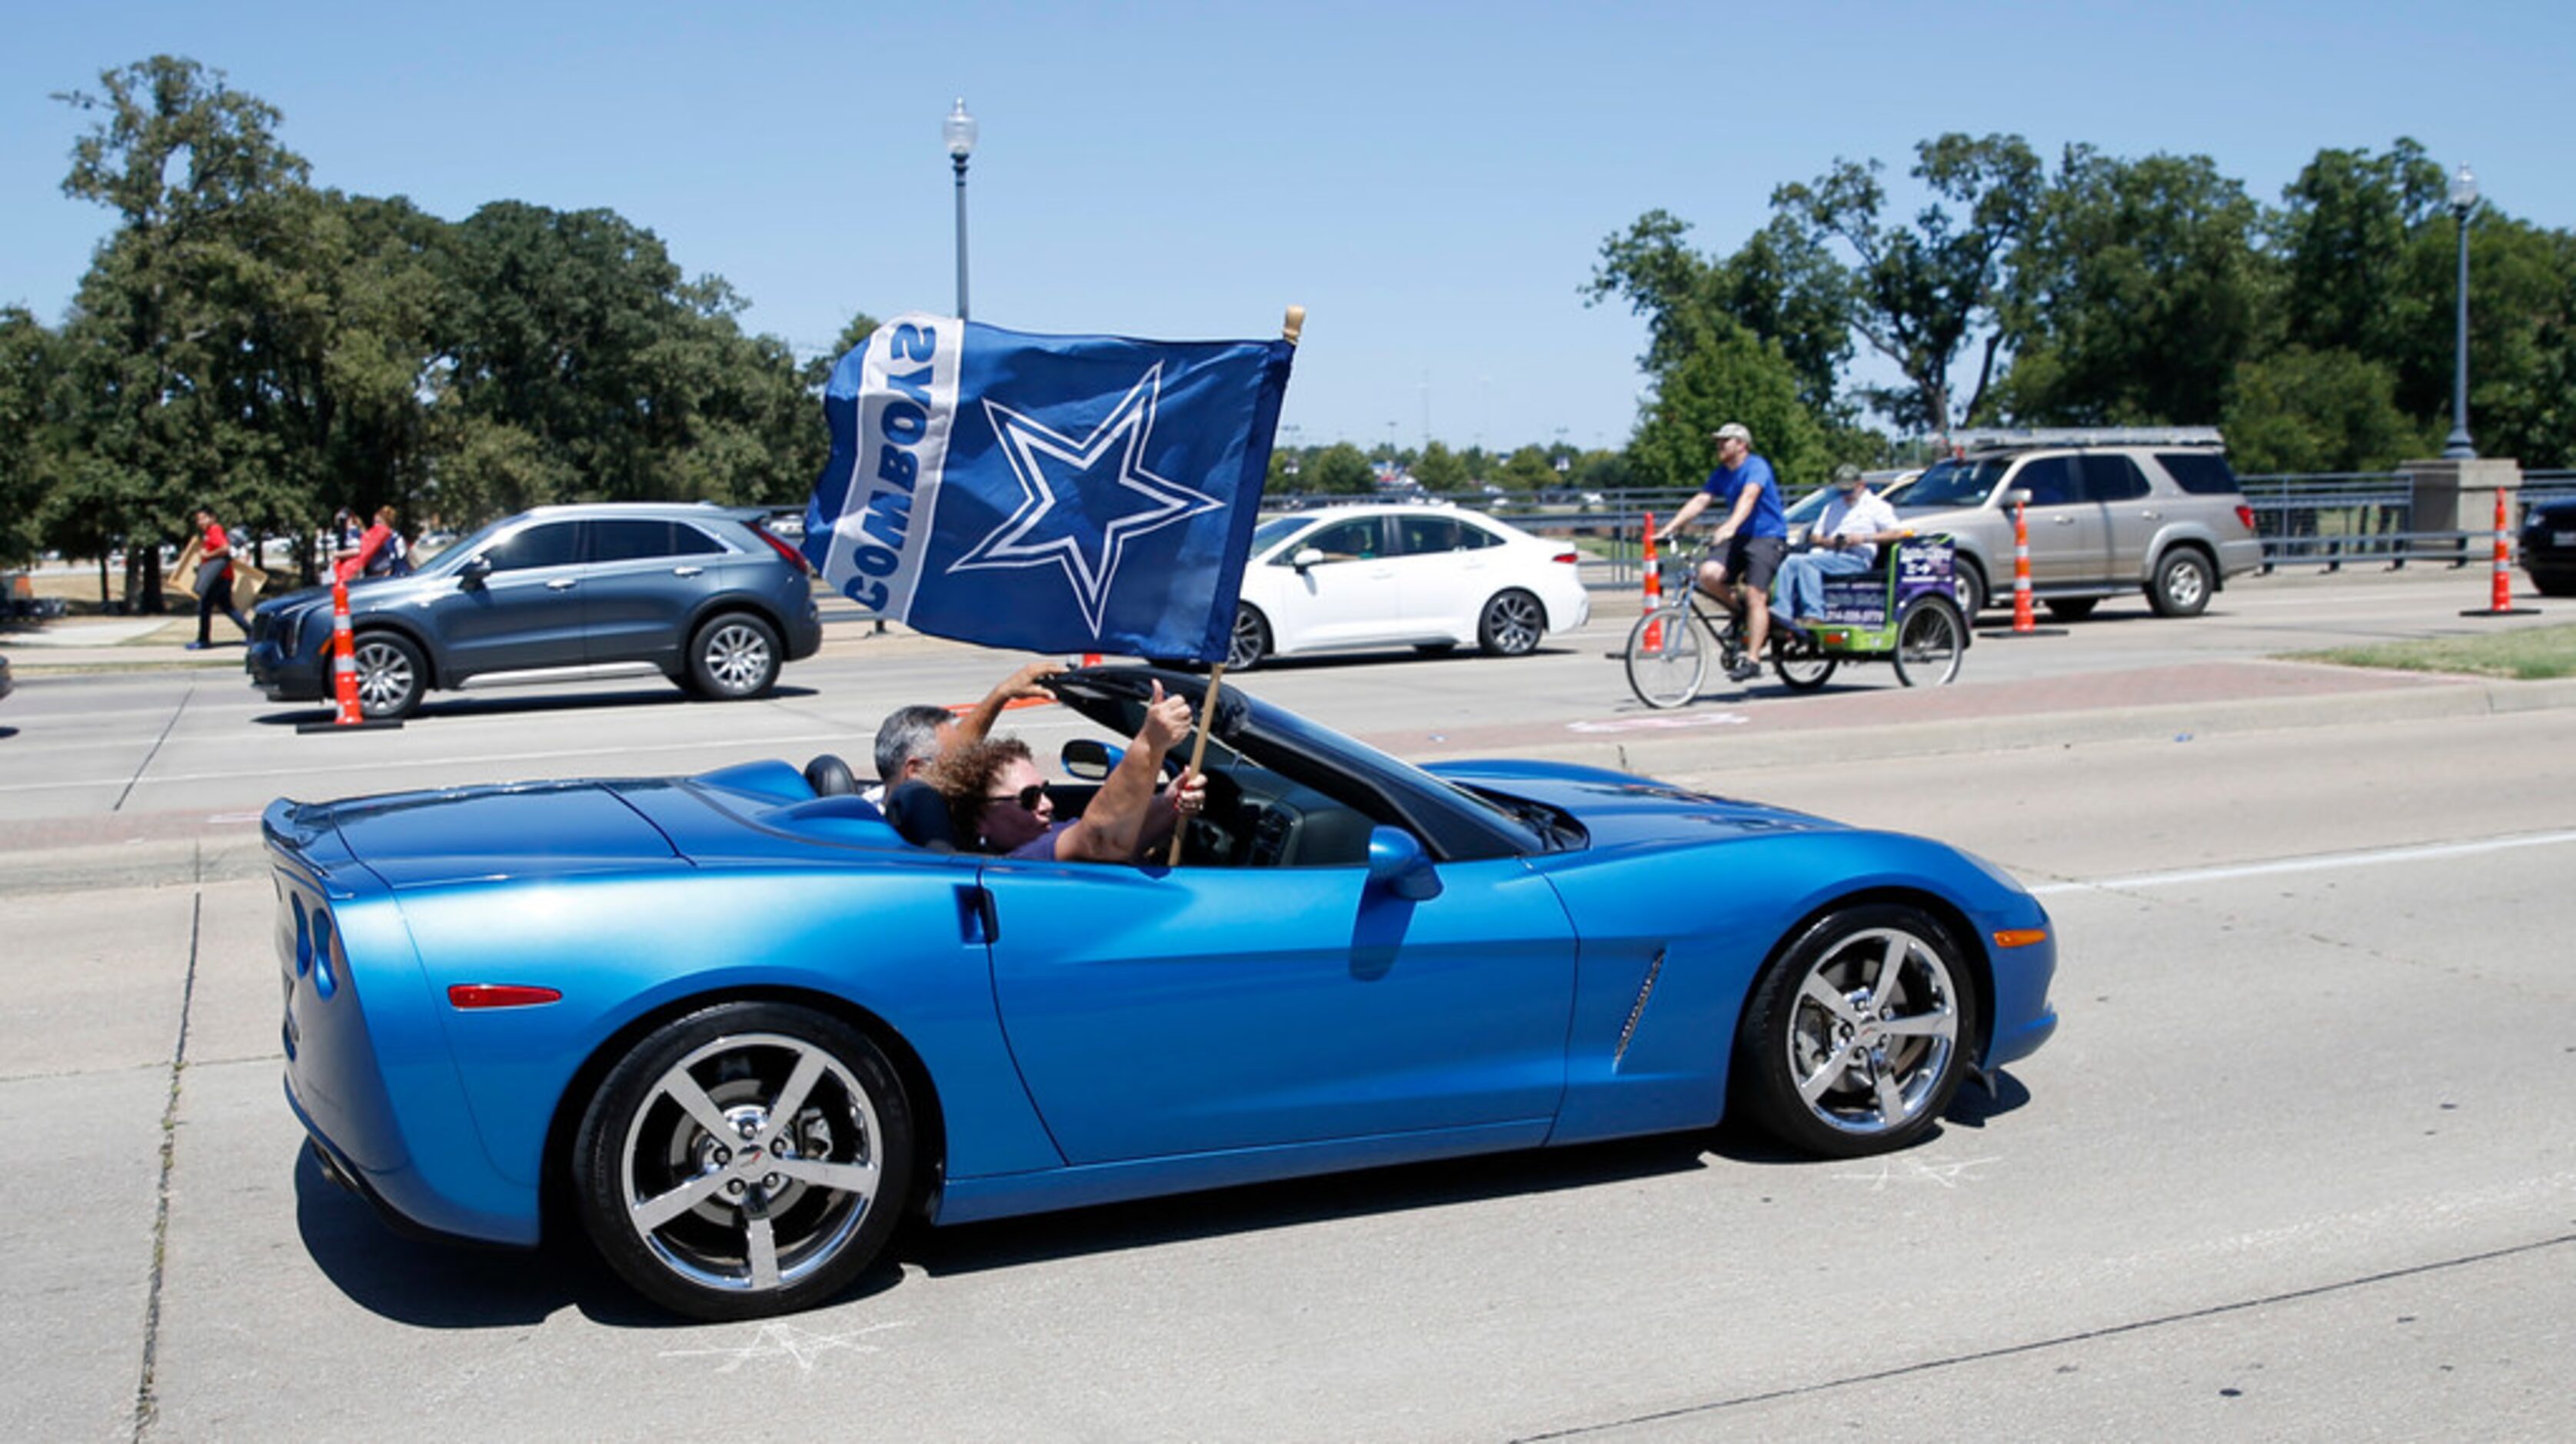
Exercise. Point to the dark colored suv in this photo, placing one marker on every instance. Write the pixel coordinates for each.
(699, 592)
(2549, 545)
(2110, 511)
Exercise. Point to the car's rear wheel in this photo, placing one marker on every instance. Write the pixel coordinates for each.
(1858, 1036)
(732, 657)
(391, 675)
(1665, 659)
(744, 1160)
(2182, 584)
(1250, 641)
(1930, 639)
(1512, 624)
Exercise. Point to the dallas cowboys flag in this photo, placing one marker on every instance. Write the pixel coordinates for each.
(1050, 493)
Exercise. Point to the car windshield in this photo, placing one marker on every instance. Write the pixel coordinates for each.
(1275, 530)
(1954, 483)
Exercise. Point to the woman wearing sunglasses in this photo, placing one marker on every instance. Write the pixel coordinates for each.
(998, 798)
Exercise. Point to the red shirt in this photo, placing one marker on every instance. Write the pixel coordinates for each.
(352, 568)
(218, 547)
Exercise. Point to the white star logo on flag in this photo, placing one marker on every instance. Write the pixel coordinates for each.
(1069, 485)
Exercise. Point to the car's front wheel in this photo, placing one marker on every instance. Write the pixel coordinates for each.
(1512, 623)
(733, 656)
(1858, 1037)
(2182, 585)
(391, 675)
(744, 1160)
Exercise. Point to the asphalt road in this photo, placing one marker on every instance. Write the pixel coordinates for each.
(2297, 1164)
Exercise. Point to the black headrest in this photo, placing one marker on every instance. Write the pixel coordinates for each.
(829, 776)
(920, 815)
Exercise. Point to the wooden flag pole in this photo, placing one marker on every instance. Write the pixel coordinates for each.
(1288, 330)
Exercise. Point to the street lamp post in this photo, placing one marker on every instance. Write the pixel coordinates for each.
(2464, 198)
(959, 130)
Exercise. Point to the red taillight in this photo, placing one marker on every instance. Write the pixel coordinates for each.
(779, 545)
(1571, 559)
(499, 995)
(2245, 514)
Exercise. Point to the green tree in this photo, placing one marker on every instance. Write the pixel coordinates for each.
(2135, 296)
(1919, 293)
(31, 444)
(172, 352)
(1730, 376)
(1441, 470)
(1340, 469)
(2306, 411)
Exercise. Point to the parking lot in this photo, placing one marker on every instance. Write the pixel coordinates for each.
(2295, 1165)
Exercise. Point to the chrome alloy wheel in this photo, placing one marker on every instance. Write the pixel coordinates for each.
(1875, 1027)
(736, 658)
(1513, 624)
(388, 681)
(752, 1163)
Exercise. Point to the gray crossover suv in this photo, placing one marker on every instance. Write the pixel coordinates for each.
(698, 592)
(2109, 510)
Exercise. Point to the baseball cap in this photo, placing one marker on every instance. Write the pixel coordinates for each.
(1733, 429)
(1846, 475)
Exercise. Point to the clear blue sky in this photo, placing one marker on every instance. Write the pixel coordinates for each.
(1432, 181)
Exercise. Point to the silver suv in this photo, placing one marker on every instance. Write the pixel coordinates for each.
(2109, 510)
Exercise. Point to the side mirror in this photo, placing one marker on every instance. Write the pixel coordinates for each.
(1089, 759)
(474, 571)
(1306, 557)
(2018, 496)
(1397, 863)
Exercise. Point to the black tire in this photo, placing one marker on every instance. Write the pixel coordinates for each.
(2555, 586)
(391, 675)
(1511, 624)
(1668, 673)
(733, 656)
(1251, 640)
(825, 1186)
(1968, 586)
(2072, 609)
(1931, 637)
(2184, 579)
(1835, 1037)
(1801, 666)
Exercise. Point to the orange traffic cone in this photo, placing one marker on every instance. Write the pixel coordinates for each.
(2500, 589)
(1654, 589)
(344, 672)
(2023, 621)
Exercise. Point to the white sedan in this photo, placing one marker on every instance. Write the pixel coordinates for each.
(1431, 577)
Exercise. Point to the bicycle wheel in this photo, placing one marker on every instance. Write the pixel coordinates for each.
(1668, 673)
(1929, 640)
(1800, 665)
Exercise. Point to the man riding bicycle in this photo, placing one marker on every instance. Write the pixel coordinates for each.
(1748, 544)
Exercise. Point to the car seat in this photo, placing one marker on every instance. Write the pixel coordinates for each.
(920, 815)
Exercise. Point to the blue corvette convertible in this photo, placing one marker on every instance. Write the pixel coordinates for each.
(746, 1027)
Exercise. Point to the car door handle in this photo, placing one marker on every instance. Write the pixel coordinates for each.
(2066, 521)
(978, 921)
(687, 571)
(562, 584)
(2150, 516)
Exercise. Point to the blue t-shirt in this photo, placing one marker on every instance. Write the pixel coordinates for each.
(1041, 848)
(1768, 518)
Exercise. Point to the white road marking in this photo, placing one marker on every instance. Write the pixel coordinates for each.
(2326, 862)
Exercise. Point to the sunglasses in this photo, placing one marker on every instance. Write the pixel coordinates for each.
(1027, 797)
